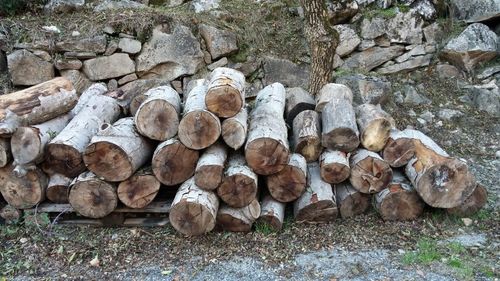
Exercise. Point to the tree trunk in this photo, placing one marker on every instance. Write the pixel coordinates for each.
(374, 125)
(332, 91)
(92, 197)
(139, 190)
(234, 129)
(334, 166)
(210, 168)
(5, 152)
(117, 151)
(266, 150)
(226, 92)
(399, 201)
(340, 131)
(58, 188)
(9, 214)
(96, 89)
(158, 116)
(173, 162)
(351, 202)
(290, 183)
(272, 212)
(22, 192)
(239, 185)
(194, 210)
(369, 172)
(36, 104)
(65, 151)
(440, 180)
(400, 147)
(199, 128)
(238, 219)
(472, 204)
(306, 135)
(297, 100)
(317, 204)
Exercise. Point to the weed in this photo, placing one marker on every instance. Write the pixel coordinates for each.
(461, 267)
(264, 228)
(456, 248)
(426, 253)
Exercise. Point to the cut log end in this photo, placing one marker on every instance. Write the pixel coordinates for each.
(199, 129)
(191, 218)
(224, 101)
(234, 134)
(354, 205)
(401, 204)
(375, 135)
(398, 152)
(109, 161)
(209, 177)
(472, 204)
(93, 198)
(26, 145)
(287, 185)
(5, 152)
(162, 124)
(370, 175)
(335, 173)
(138, 191)
(238, 219)
(64, 159)
(323, 211)
(343, 139)
(23, 192)
(58, 193)
(174, 163)
(237, 190)
(266, 156)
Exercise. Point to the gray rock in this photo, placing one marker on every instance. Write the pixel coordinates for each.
(349, 39)
(111, 48)
(468, 240)
(102, 68)
(205, 5)
(412, 97)
(42, 54)
(373, 28)
(449, 114)
(64, 6)
(140, 86)
(364, 3)
(120, 4)
(130, 46)
(127, 78)
(80, 55)
(427, 116)
(415, 51)
(406, 66)
(447, 71)
(398, 97)
(367, 89)
(285, 72)
(476, 44)
(366, 44)
(404, 28)
(486, 100)
(433, 33)
(337, 61)
(62, 64)
(78, 79)
(220, 63)
(341, 11)
(95, 44)
(382, 41)
(373, 57)
(170, 55)
(488, 72)
(27, 69)
(248, 67)
(384, 4)
(36, 45)
(112, 85)
(219, 42)
(476, 10)
(425, 8)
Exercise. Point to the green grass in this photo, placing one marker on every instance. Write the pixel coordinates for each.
(264, 228)
(427, 252)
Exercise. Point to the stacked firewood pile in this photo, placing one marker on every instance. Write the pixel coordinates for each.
(230, 164)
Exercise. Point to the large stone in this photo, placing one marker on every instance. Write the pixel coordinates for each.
(373, 57)
(102, 68)
(349, 39)
(64, 6)
(78, 79)
(367, 89)
(433, 33)
(488, 72)
(95, 44)
(448, 71)
(341, 11)
(219, 42)
(130, 46)
(406, 66)
(404, 28)
(373, 28)
(205, 5)
(415, 51)
(486, 99)
(27, 69)
(169, 55)
(285, 72)
(62, 64)
(476, 44)
(412, 97)
(120, 4)
(425, 8)
(476, 10)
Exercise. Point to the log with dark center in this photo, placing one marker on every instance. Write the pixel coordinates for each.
(306, 135)
(226, 92)
(472, 204)
(25, 191)
(139, 190)
(369, 172)
(238, 219)
(334, 166)
(58, 188)
(239, 186)
(288, 184)
(351, 202)
(173, 162)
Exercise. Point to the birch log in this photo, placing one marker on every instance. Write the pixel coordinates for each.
(332, 91)
(238, 219)
(226, 92)
(317, 204)
(194, 210)
(306, 135)
(297, 100)
(139, 190)
(272, 212)
(58, 188)
(22, 192)
(472, 204)
(199, 128)
(334, 166)
(340, 131)
(399, 201)
(374, 125)
(117, 151)
(240, 184)
(5, 152)
(266, 150)
(158, 116)
(290, 183)
(36, 104)
(92, 197)
(234, 129)
(400, 147)
(210, 168)
(173, 162)
(369, 172)
(351, 202)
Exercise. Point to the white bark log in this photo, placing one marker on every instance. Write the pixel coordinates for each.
(332, 91)
(210, 168)
(234, 129)
(226, 92)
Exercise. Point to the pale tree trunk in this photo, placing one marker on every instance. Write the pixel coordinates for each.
(234, 129)
(58, 188)
(272, 212)
(210, 168)
(226, 92)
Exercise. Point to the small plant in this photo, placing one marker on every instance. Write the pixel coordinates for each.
(52, 134)
(264, 228)
(426, 253)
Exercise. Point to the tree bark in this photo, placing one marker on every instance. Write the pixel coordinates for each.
(240, 184)
(297, 100)
(272, 212)
(173, 162)
(234, 129)
(22, 192)
(369, 172)
(226, 92)
(330, 92)
(139, 190)
(375, 126)
(351, 202)
(266, 150)
(472, 204)
(5, 152)
(334, 166)
(58, 188)
(306, 135)
(238, 219)
(210, 168)
(400, 148)
(290, 183)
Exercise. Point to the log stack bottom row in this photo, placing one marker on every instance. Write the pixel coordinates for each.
(230, 164)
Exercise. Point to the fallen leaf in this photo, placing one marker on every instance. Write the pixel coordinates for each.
(95, 261)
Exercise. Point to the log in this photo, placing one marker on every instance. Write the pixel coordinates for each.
(194, 210)
(139, 190)
(23, 192)
(92, 197)
(351, 202)
(272, 213)
(199, 128)
(226, 92)
(158, 116)
(234, 129)
(472, 204)
(65, 151)
(210, 168)
(306, 135)
(266, 150)
(117, 151)
(96, 89)
(374, 125)
(239, 185)
(399, 201)
(238, 219)
(340, 131)
(297, 100)
(58, 188)
(173, 162)
(369, 172)
(9, 214)
(288, 184)
(36, 104)
(332, 91)
(318, 203)
(400, 147)
(440, 180)
(5, 152)
(334, 166)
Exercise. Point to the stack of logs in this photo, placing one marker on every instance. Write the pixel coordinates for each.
(322, 154)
